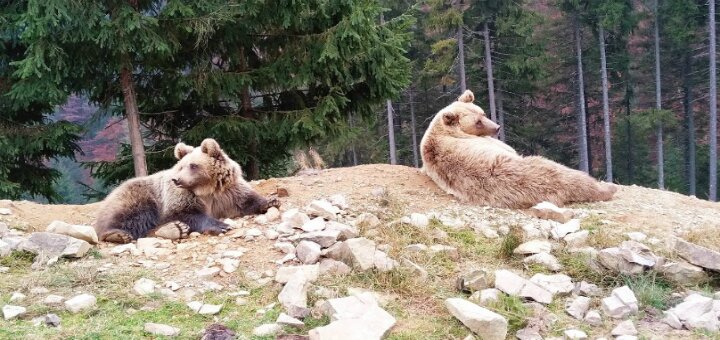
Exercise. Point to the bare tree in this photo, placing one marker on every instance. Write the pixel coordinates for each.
(352, 145)
(658, 102)
(606, 106)
(582, 127)
(712, 194)
(411, 93)
(391, 133)
(500, 112)
(689, 122)
(461, 57)
(489, 69)
(133, 116)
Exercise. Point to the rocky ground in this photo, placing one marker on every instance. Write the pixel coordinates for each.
(371, 252)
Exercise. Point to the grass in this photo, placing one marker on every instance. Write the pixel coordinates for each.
(581, 267)
(513, 309)
(17, 260)
(707, 237)
(509, 242)
(651, 289)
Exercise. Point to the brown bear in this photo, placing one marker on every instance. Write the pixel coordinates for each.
(461, 156)
(203, 187)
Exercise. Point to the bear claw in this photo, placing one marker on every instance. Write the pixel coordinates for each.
(118, 236)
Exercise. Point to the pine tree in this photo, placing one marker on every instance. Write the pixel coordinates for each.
(712, 134)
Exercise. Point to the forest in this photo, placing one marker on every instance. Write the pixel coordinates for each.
(96, 92)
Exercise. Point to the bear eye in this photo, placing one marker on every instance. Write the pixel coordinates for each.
(193, 166)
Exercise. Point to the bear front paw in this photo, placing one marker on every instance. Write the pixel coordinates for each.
(117, 236)
(215, 229)
(272, 202)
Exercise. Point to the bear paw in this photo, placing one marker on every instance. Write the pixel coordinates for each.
(215, 228)
(172, 231)
(117, 236)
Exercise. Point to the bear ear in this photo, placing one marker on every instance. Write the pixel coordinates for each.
(467, 97)
(211, 148)
(450, 118)
(182, 149)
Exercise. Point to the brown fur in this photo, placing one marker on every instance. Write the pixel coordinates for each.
(204, 186)
(460, 155)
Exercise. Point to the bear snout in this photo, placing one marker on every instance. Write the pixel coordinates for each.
(177, 182)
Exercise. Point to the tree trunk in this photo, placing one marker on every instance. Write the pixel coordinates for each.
(658, 103)
(606, 106)
(628, 130)
(416, 156)
(461, 58)
(712, 193)
(391, 133)
(352, 145)
(133, 117)
(489, 69)
(252, 167)
(500, 113)
(582, 129)
(689, 124)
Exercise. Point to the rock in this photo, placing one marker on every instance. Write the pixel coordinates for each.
(308, 252)
(333, 267)
(587, 289)
(546, 260)
(323, 208)
(708, 321)
(5, 248)
(672, 320)
(561, 230)
(203, 308)
(489, 233)
(534, 247)
(528, 334)
(295, 218)
(10, 312)
(324, 238)
(287, 320)
(475, 280)
(612, 258)
(339, 201)
(367, 220)
(383, 263)
(310, 272)
(513, 284)
(555, 284)
(51, 320)
(636, 252)
(683, 273)
(624, 328)
(636, 236)
(549, 211)
(144, 286)
(531, 232)
(417, 247)
(125, 248)
(267, 329)
(207, 272)
(421, 273)
(229, 265)
(160, 329)
(53, 300)
(698, 255)
(357, 252)
(488, 325)
(577, 307)
(577, 239)
(4, 230)
(252, 233)
(621, 303)
(80, 303)
(693, 307)
(272, 214)
(485, 296)
(593, 318)
(574, 334)
(294, 296)
(49, 247)
(81, 232)
(218, 331)
(5, 211)
(416, 220)
(345, 231)
(316, 224)
(354, 318)
(285, 247)
(271, 234)
(449, 251)
(17, 297)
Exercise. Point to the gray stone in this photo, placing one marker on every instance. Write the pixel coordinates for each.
(333, 267)
(323, 208)
(81, 232)
(530, 232)
(421, 273)
(636, 236)
(267, 329)
(10, 312)
(698, 255)
(624, 328)
(80, 303)
(5, 248)
(555, 284)
(612, 258)
(593, 318)
(207, 272)
(17, 297)
(374, 323)
(708, 321)
(144, 286)
(316, 224)
(487, 324)
(49, 247)
(534, 247)
(577, 307)
(416, 220)
(475, 280)
(160, 329)
(272, 214)
(549, 211)
(367, 220)
(204, 308)
(310, 272)
(636, 252)
(294, 296)
(324, 238)
(345, 231)
(672, 320)
(287, 320)
(528, 334)
(683, 273)
(308, 252)
(574, 334)
(588, 289)
(694, 306)
(621, 303)
(383, 263)
(448, 251)
(357, 252)
(576, 239)
(294, 218)
(53, 300)
(51, 320)
(544, 259)
(229, 265)
(560, 230)
(513, 284)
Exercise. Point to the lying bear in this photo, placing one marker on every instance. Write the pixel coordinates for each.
(203, 187)
(461, 156)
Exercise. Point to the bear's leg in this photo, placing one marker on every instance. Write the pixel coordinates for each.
(255, 204)
(202, 223)
(175, 230)
(131, 225)
(116, 236)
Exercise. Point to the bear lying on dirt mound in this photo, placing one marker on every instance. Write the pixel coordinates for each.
(461, 156)
(204, 186)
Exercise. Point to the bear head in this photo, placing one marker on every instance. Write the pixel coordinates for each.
(464, 117)
(204, 170)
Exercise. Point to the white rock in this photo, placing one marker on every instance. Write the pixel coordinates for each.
(555, 284)
(82, 232)
(53, 300)
(588, 289)
(531, 232)
(308, 252)
(272, 214)
(488, 325)
(383, 263)
(295, 218)
(560, 230)
(287, 320)
(10, 312)
(160, 329)
(528, 334)
(513, 284)
(229, 265)
(534, 247)
(417, 220)
(267, 329)
(698, 255)
(271, 234)
(593, 318)
(345, 231)
(354, 317)
(252, 232)
(577, 239)
(546, 260)
(708, 321)
(574, 334)
(207, 272)
(621, 303)
(672, 320)
(549, 211)
(577, 307)
(5, 211)
(323, 208)
(294, 296)
(333, 267)
(316, 224)
(203, 308)
(449, 251)
(416, 269)
(475, 280)
(683, 273)
(17, 296)
(144, 286)
(5, 248)
(357, 252)
(636, 236)
(417, 247)
(367, 220)
(636, 252)
(285, 247)
(50, 246)
(125, 248)
(624, 328)
(613, 259)
(339, 201)
(694, 306)
(80, 302)
(310, 272)
(489, 233)
(485, 297)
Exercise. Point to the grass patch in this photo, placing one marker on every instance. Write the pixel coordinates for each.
(705, 236)
(18, 259)
(511, 241)
(512, 308)
(581, 267)
(650, 289)
(398, 281)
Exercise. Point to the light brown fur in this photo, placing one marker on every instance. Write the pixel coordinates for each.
(460, 155)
